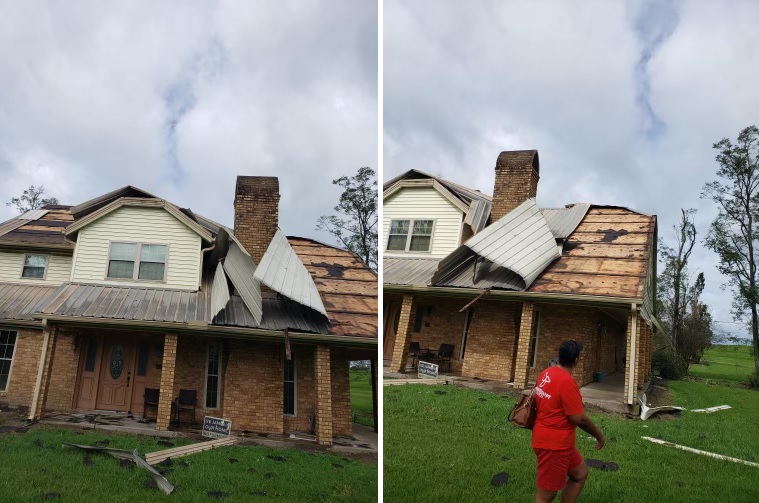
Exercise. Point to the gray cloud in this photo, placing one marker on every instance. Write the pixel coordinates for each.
(623, 100)
(178, 98)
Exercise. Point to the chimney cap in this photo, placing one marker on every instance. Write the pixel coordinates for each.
(518, 159)
(257, 184)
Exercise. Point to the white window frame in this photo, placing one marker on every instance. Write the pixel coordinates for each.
(295, 385)
(535, 332)
(136, 269)
(219, 351)
(410, 234)
(13, 359)
(23, 265)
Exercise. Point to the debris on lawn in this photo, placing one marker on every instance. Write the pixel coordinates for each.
(165, 443)
(134, 456)
(268, 476)
(258, 493)
(504, 458)
(185, 450)
(439, 392)
(499, 479)
(337, 465)
(233, 460)
(281, 459)
(605, 466)
(87, 460)
(699, 451)
(646, 411)
(50, 496)
(712, 409)
(102, 443)
(216, 494)
(126, 464)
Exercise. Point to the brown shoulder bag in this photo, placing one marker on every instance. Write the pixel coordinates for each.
(523, 413)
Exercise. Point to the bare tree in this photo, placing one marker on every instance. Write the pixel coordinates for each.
(356, 225)
(734, 232)
(31, 199)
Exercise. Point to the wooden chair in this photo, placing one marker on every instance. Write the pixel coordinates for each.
(444, 354)
(186, 402)
(150, 402)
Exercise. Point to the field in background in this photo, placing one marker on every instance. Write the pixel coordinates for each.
(361, 397)
(726, 365)
(445, 443)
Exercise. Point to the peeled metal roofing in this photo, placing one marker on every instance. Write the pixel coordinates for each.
(408, 271)
(17, 301)
(464, 268)
(282, 271)
(241, 270)
(478, 214)
(279, 314)
(520, 241)
(564, 221)
(219, 291)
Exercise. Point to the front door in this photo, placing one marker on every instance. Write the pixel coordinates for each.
(116, 374)
(90, 365)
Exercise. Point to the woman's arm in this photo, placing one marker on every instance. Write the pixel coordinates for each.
(589, 426)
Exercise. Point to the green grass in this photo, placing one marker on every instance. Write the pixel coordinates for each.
(444, 443)
(35, 464)
(361, 396)
(727, 365)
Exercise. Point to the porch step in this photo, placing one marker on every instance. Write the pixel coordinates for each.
(393, 382)
(177, 452)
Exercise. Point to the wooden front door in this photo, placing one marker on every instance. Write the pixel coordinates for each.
(144, 370)
(115, 391)
(90, 365)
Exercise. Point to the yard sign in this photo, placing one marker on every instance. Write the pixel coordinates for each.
(426, 369)
(215, 427)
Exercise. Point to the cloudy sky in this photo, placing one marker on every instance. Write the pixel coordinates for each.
(180, 97)
(623, 100)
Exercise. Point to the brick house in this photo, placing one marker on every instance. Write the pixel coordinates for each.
(505, 282)
(128, 292)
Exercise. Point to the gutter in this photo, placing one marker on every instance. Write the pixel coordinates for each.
(564, 298)
(40, 370)
(203, 329)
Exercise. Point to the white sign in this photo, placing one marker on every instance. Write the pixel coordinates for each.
(426, 369)
(215, 427)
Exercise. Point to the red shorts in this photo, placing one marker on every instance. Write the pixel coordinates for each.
(553, 467)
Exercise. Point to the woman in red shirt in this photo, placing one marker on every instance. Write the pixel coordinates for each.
(559, 405)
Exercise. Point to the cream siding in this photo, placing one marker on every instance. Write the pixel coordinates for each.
(138, 225)
(424, 204)
(58, 268)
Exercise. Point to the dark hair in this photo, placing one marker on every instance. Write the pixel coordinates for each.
(569, 351)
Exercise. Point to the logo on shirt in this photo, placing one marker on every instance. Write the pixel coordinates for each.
(546, 379)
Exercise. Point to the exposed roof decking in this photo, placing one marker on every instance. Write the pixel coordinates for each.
(43, 228)
(608, 255)
(348, 288)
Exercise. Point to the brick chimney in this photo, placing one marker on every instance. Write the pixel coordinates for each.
(256, 212)
(516, 180)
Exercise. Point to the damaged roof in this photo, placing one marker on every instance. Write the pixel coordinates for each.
(348, 288)
(42, 228)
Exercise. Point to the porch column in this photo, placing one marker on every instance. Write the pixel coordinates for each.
(523, 346)
(373, 367)
(403, 336)
(323, 395)
(632, 355)
(163, 416)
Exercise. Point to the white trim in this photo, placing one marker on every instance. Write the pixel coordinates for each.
(13, 359)
(136, 261)
(295, 384)
(631, 362)
(44, 273)
(410, 234)
(219, 349)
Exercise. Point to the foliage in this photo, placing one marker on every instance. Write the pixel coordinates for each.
(361, 396)
(726, 365)
(36, 465)
(31, 199)
(734, 232)
(668, 364)
(444, 443)
(753, 380)
(687, 321)
(355, 226)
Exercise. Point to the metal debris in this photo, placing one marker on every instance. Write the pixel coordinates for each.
(712, 409)
(646, 411)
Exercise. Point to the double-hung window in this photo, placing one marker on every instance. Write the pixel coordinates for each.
(213, 375)
(288, 386)
(7, 345)
(137, 261)
(410, 235)
(532, 356)
(34, 266)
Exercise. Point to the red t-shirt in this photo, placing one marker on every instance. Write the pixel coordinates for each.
(556, 397)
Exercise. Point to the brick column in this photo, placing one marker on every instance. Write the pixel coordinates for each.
(375, 384)
(628, 356)
(523, 345)
(163, 417)
(323, 395)
(403, 337)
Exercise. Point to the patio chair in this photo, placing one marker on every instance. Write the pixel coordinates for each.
(150, 402)
(414, 353)
(444, 354)
(186, 402)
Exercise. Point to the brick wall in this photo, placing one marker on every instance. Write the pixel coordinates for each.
(491, 340)
(516, 180)
(342, 420)
(58, 394)
(404, 334)
(23, 376)
(166, 389)
(190, 372)
(442, 323)
(256, 212)
(324, 431)
(521, 362)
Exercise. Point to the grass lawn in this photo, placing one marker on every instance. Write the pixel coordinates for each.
(361, 396)
(34, 464)
(728, 365)
(445, 443)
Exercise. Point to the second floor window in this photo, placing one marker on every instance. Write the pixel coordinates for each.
(137, 261)
(34, 266)
(410, 235)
